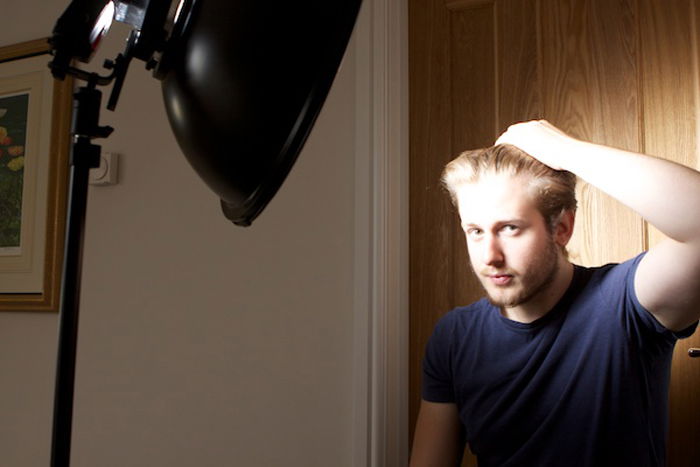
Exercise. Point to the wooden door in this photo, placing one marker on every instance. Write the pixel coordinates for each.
(618, 72)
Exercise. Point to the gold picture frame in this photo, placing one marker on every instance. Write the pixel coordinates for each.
(38, 147)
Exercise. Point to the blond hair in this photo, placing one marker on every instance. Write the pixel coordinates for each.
(553, 191)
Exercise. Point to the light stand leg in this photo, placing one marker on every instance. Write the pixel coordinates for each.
(85, 156)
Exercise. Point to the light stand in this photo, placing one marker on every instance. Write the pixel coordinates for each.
(84, 156)
(250, 75)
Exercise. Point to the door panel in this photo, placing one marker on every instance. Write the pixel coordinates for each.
(618, 72)
(588, 85)
(669, 83)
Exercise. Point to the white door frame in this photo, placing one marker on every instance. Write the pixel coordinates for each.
(381, 212)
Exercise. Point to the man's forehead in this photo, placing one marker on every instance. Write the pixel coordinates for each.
(504, 186)
(495, 197)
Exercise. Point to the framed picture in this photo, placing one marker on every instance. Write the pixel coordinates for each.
(35, 124)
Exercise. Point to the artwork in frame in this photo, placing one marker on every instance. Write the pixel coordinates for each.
(35, 120)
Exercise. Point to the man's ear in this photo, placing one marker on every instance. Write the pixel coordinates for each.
(564, 228)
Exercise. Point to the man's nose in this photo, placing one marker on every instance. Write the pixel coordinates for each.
(493, 253)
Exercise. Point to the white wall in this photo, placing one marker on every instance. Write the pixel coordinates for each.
(201, 343)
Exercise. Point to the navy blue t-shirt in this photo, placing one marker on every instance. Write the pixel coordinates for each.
(585, 385)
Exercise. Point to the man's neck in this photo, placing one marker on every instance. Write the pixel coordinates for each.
(546, 299)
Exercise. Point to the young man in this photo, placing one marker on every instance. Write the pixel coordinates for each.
(562, 366)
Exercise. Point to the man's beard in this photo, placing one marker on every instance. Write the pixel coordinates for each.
(529, 284)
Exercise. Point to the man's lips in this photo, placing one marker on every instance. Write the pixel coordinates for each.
(500, 279)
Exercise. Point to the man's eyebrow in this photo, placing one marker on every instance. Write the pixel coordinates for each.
(513, 221)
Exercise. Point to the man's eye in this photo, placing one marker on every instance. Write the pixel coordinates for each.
(511, 229)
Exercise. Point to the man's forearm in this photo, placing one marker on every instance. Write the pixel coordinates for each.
(437, 441)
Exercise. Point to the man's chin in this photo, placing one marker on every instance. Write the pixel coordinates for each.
(503, 298)
(503, 302)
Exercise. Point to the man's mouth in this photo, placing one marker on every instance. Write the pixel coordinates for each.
(500, 279)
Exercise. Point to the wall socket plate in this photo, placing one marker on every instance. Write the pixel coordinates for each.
(107, 172)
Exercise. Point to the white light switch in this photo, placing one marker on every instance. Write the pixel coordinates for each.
(106, 173)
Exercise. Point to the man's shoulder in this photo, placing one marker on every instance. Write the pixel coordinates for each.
(630, 263)
(607, 275)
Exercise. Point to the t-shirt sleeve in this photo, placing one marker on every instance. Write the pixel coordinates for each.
(437, 363)
(640, 318)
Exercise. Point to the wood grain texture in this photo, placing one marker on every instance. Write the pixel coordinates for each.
(589, 84)
(518, 64)
(466, 4)
(430, 230)
(669, 78)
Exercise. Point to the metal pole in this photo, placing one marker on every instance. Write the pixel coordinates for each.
(84, 156)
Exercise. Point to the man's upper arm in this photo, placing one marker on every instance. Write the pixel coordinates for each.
(438, 440)
(667, 283)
